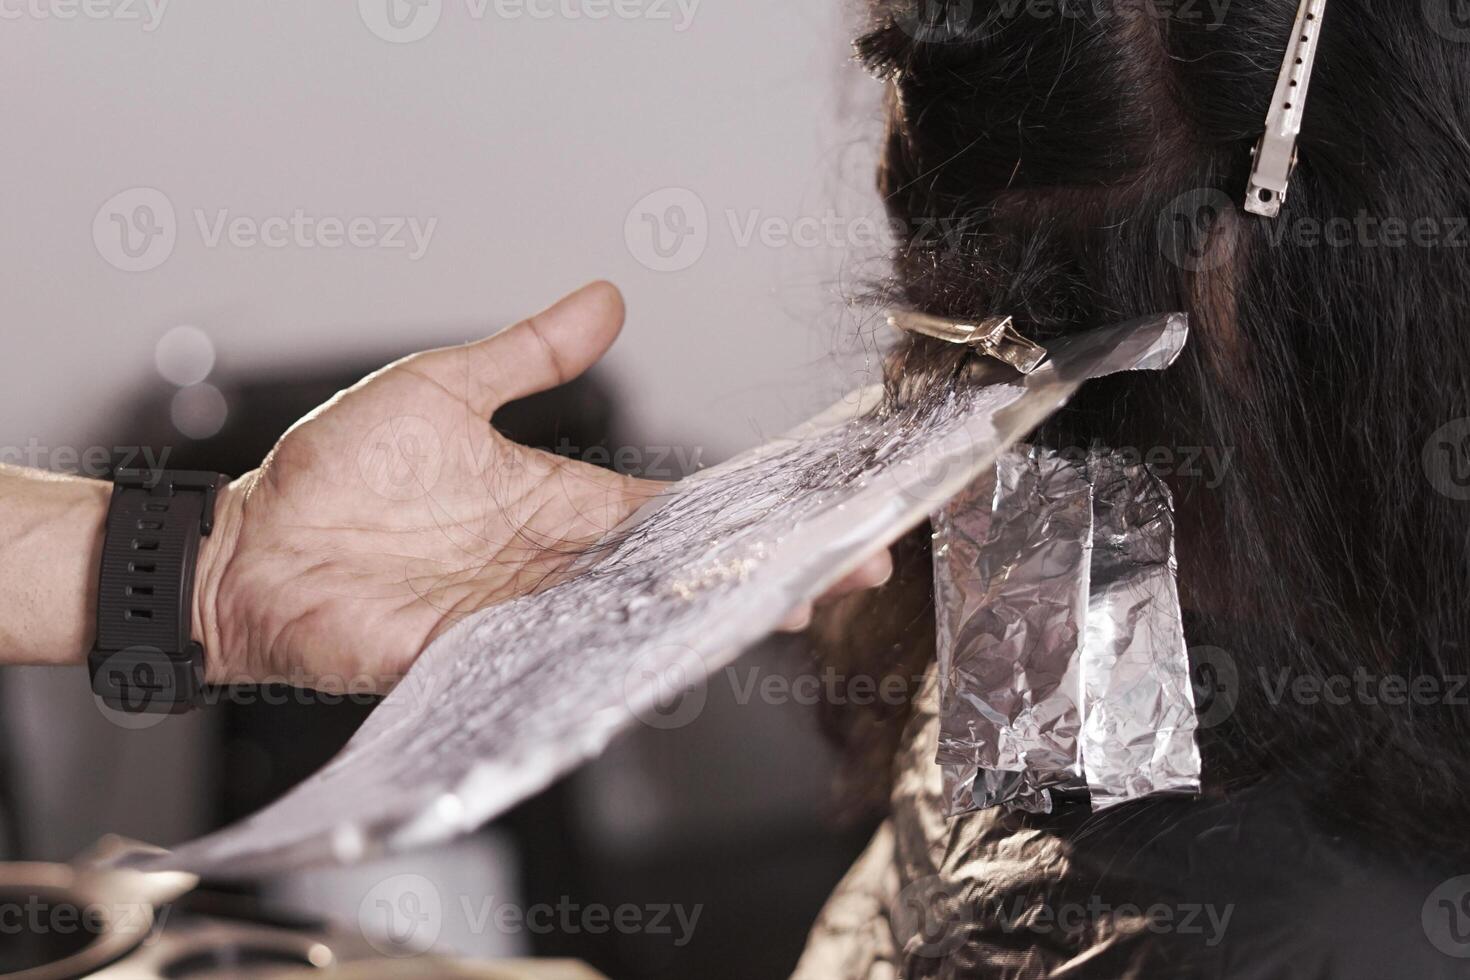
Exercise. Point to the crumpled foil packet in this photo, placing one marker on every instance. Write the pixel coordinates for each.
(520, 693)
(1062, 661)
(1011, 565)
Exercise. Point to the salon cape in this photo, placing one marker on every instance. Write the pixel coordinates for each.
(1245, 888)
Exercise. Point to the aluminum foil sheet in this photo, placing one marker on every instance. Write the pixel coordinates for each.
(1011, 565)
(1061, 649)
(1138, 711)
(520, 693)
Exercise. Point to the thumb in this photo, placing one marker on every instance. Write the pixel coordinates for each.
(540, 352)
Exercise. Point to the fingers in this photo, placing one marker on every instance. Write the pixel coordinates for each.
(799, 620)
(876, 570)
(540, 352)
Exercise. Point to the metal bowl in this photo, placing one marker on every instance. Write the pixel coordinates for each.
(58, 921)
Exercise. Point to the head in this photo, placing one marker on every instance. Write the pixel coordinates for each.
(1088, 160)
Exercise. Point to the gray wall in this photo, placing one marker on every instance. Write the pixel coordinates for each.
(528, 141)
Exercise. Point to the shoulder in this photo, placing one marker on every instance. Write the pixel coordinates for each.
(1253, 887)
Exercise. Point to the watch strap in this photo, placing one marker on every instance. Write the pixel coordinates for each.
(144, 658)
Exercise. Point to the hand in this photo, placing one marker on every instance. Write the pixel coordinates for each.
(395, 509)
(875, 570)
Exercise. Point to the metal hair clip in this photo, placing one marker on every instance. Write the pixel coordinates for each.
(994, 337)
(1275, 154)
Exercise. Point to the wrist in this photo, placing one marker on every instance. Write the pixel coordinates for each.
(89, 502)
(51, 529)
(75, 533)
(215, 554)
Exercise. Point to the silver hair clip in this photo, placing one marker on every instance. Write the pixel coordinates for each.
(994, 336)
(1275, 154)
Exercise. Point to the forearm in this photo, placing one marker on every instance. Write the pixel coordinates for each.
(50, 548)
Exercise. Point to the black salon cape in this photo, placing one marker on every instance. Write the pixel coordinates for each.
(1249, 887)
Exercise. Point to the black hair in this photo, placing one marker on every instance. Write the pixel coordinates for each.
(1094, 156)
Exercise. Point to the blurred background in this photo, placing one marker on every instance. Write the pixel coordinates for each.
(219, 214)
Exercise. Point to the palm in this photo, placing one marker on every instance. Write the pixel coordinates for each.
(394, 509)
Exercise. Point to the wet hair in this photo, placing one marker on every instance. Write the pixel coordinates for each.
(1086, 162)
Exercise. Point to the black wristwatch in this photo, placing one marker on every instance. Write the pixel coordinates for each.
(145, 658)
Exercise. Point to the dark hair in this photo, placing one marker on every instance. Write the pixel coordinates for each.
(1093, 157)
